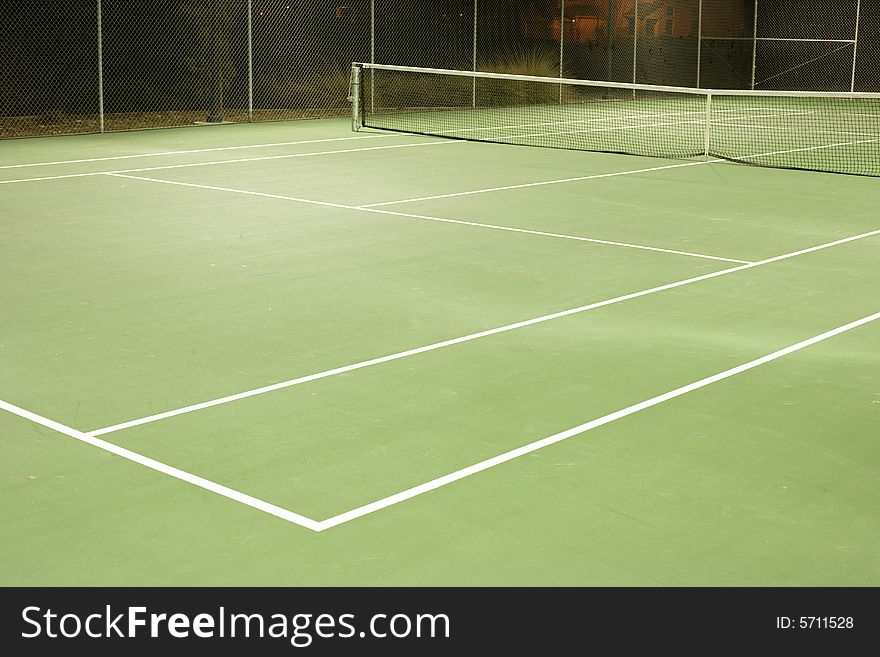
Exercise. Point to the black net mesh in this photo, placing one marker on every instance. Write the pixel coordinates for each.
(816, 132)
(837, 135)
(538, 113)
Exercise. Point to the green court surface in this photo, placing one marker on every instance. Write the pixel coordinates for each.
(289, 354)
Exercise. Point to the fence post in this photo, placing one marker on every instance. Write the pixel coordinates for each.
(635, 40)
(100, 70)
(699, 41)
(216, 70)
(609, 28)
(372, 55)
(635, 44)
(474, 59)
(852, 84)
(561, 44)
(754, 44)
(250, 47)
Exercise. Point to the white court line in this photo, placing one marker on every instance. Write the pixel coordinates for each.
(281, 197)
(288, 156)
(465, 338)
(244, 159)
(794, 131)
(423, 217)
(434, 484)
(169, 470)
(542, 233)
(802, 150)
(316, 141)
(622, 173)
(634, 127)
(558, 181)
(188, 152)
(620, 117)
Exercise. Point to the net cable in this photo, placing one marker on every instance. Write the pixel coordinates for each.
(836, 132)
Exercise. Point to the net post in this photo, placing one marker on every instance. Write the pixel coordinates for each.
(100, 35)
(354, 97)
(852, 83)
(707, 132)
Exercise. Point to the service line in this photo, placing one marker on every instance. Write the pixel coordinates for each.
(465, 338)
(191, 151)
(288, 156)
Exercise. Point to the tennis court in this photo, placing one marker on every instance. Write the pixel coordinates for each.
(294, 354)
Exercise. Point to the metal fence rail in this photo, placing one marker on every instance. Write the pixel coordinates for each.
(112, 65)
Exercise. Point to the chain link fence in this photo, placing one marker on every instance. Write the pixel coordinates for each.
(108, 65)
(49, 78)
(786, 44)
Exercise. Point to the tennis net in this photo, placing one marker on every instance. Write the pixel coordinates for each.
(833, 132)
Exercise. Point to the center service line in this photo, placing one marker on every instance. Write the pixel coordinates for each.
(465, 338)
